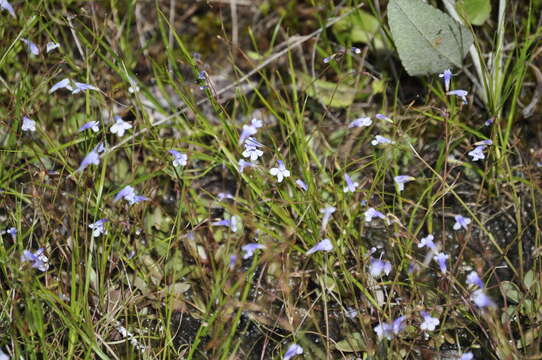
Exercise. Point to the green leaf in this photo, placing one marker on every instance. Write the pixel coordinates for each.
(428, 40)
(359, 27)
(476, 11)
(328, 93)
(511, 291)
(353, 343)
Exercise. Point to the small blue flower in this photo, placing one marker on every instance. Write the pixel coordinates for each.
(355, 50)
(467, 356)
(381, 140)
(327, 212)
(128, 193)
(459, 93)
(447, 77)
(478, 153)
(250, 130)
(32, 48)
(461, 222)
(428, 242)
(372, 213)
(4, 4)
(480, 298)
(489, 122)
(401, 180)
(73, 86)
(383, 117)
(301, 185)
(362, 121)
(324, 245)
(389, 330)
(202, 75)
(249, 249)
(12, 232)
(484, 143)
(93, 125)
(441, 258)
(429, 323)
(232, 223)
(244, 164)
(180, 159)
(92, 158)
(293, 350)
(280, 172)
(233, 260)
(224, 195)
(38, 259)
(28, 125)
(474, 279)
(98, 227)
(120, 126)
(350, 186)
(252, 152)
(379, 267)
(51, 46)
(329, 58)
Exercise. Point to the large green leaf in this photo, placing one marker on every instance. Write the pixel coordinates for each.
(428, 40)
(476, 11)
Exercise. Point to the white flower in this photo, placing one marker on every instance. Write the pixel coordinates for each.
(477, 153)
(381, 140)
(252, 152)
(28, 124)
(180, 159)
(280, 172)
(120, 126)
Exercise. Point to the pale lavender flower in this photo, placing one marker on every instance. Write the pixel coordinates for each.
(250, 141)
(447, 77)
(379, 267)
(467, 356)
(301, 185)
(38, 259)
(484, 142)
(428, 242)
(459, 93)
(401, 180)
(120, 126)
(233, 260)
(383, 117)
(252, 152)
(249, 249)
(92, 158)
(202, 75)
(429, 323)
(180, 159)
(128, 193)
(351, 313)
(79, 86)
(3, 355)
(480, 298)
(12, 232)
(324, 245)
(388, 330)
(231, 223)
(244, 164)
(327, 212)
(362, 121)
(477, 153)
(441, 258)
(381, 140)
(31, 47)
(329, 58)
(280, 172)
(489, 122)
(474, 279)
(4, 4)
(293, 350)
(98, 227)
(224, 195)
(372, 213)
(355, 50)
(251, 129)
(28, 124)
(461, 222)
(350, 186)
(51, 46)
(62, 84)
(93, 125)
